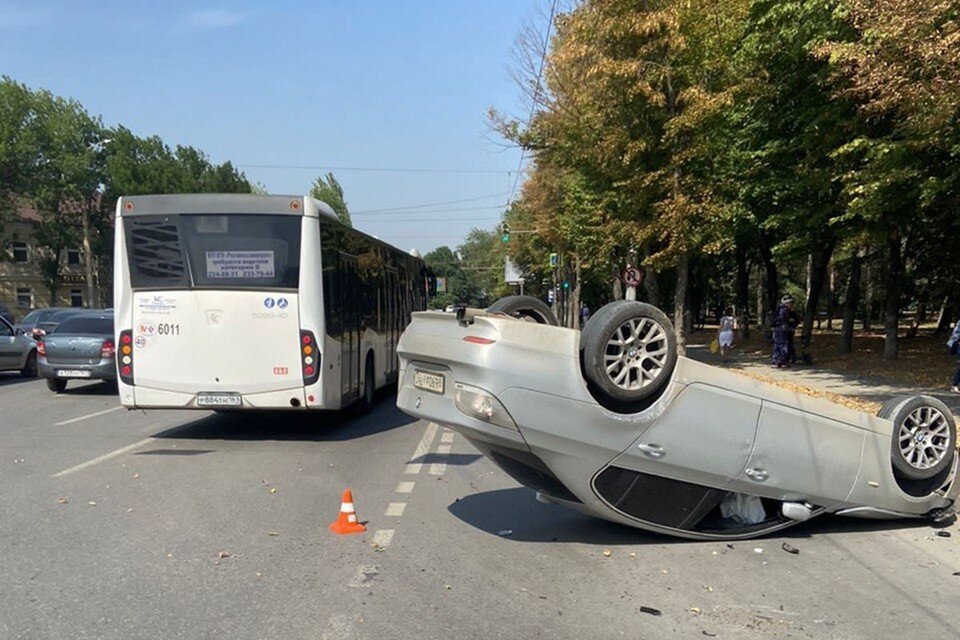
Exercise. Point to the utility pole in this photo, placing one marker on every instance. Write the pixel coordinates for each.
(92, 297)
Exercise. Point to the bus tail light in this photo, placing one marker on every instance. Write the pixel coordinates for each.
(125, 361)
(107, 350)
(309, 357)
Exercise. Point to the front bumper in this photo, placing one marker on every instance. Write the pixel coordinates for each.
(106, 369)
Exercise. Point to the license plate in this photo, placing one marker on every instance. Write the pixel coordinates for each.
(219, 400)
(72, 373)
(432, 382)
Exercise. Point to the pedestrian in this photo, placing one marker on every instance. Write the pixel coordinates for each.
(953, 344)
(784, 325)
(725, 333)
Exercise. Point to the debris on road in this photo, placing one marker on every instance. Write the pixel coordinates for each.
(942, 534)
(92, 503)
(223, 554)
(758, 549)
(273, 533)
(709, 634)
(273, 489)
(62, 501)
(695, 610)
(136, 476)
(651, 611)
(789, 548)
(606, 553)
(633, 555)
(505, 532)
(448, 587)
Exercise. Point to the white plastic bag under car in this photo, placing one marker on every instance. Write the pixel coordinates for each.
(742, 509)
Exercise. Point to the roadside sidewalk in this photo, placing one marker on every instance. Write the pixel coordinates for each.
(866, 389)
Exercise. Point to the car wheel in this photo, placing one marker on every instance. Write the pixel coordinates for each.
(629, 351)
(924, 437)
(366, 400)
(30, 367)
(525, 308)
(57, 386)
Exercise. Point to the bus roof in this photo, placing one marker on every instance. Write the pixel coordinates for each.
(169, 204)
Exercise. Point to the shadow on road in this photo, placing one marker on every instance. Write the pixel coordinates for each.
(518, 511)
(453, 459)
(92, 388)
(9, 379)
(321, 426)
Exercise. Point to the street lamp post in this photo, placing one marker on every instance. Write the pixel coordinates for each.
(93, 297)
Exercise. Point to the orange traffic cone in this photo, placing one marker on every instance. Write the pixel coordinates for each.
(347, 520)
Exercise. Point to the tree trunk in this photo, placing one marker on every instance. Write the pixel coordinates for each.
(945, 315)
(819, 262)
(576, 291)
(831, 295)
(868, 298)
(92, 297)
(681, 312)
(850, 303)
(771, 286)
(743, 292)
(761, 309)
(894, 286)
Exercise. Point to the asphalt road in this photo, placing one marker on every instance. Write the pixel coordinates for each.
(112, 524)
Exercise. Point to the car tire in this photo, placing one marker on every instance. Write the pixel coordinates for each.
(30, 367)
(525, 308)
(56, 385)
(617, 369)
(924, 438)
(369, 388)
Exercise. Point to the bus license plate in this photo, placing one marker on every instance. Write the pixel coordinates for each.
(72, 373)
(218, 400)
(428, 381)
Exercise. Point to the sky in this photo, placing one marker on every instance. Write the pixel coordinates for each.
(393, 84)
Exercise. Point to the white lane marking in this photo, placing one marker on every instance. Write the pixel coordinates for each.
(422, 448)
(103, 458)
(438, 468)
(365, 573)
(443, 449)
(339, 626)
(382, 538)
(447, 437)
(87, 417)
(405, 487)
(395, 509)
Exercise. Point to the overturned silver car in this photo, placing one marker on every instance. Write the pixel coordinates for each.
(612, 422)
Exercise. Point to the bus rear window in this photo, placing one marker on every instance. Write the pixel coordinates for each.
(214, 251)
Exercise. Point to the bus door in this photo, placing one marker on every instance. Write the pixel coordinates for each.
(350, 298)
(392, 323)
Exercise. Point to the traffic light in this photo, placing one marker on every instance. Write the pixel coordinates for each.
(504, 232)
(566, 284)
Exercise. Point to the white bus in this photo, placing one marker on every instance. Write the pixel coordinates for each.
(227, 301)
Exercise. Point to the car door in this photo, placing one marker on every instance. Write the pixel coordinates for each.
(800, 455)
(704, 437)
(10, 350)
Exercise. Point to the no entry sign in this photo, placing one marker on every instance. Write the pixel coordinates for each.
(632, 276)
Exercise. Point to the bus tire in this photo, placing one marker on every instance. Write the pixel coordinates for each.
(369, 387)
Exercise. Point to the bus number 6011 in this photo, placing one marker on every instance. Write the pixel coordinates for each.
(166, 329)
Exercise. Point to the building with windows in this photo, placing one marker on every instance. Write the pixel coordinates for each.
(22, 283)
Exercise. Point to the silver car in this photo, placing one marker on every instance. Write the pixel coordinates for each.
(81, 347)
(17, 352)
(612, 422)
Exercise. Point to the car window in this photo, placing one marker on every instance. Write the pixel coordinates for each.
(5, 328)
(84, 325)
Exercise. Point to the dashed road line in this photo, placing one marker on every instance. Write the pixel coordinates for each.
(382, 538)
(446, 437)
(103, 458)
(422, 448)
(405, 487)
(395, 509)
(444, 449)
(87, 417)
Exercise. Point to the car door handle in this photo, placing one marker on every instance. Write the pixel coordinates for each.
(757, 474)
(653, 450)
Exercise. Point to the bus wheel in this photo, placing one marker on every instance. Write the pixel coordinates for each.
(366, 400)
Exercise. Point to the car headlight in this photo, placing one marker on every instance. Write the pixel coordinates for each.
(483, 406)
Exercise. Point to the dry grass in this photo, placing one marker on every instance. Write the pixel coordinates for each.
(923, 362)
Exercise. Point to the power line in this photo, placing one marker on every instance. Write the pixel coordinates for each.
(487, 219)
(297, 167)
(536, 92)
(432, 204)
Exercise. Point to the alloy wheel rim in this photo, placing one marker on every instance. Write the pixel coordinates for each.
(924, 437)
(636, 353)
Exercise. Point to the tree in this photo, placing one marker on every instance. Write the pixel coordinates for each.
(328, 190)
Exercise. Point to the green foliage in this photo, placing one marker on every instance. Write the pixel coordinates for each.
(327, 189)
